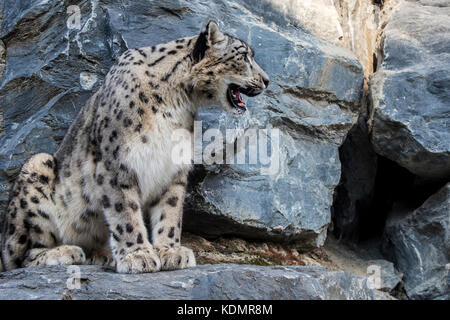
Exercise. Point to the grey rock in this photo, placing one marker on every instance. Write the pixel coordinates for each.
(389, 277)
(411, 91)
(52, 68)
(435, 3)
(419, 243)
(227, 282)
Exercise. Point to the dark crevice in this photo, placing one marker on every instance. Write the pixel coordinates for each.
(395, 189)
(374, 62)
(379, 3)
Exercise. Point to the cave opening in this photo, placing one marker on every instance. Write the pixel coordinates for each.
(396, 190)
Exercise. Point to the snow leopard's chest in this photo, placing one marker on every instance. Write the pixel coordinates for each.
(158, 161)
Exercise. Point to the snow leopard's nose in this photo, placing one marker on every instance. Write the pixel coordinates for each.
(266, 81)
(263, 77)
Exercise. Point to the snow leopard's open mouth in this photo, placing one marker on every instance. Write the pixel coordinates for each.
(234, 96)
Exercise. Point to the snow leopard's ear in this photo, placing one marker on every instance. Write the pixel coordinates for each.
(214, 35)
(209, 37)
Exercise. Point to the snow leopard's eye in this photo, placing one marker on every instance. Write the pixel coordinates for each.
(246, 58)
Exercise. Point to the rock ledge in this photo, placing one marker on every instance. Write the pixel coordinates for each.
(221, 281)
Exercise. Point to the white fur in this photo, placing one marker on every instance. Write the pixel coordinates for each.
(153, 163)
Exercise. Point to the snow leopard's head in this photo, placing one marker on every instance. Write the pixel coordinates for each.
(224, 68)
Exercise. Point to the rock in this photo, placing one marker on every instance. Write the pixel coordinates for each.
(388, 276)
(318, 17)
(411, 91)
(419, 243)
(359, 27)
(362, 24)
(205, 282)
(54, 64)
(352, 24)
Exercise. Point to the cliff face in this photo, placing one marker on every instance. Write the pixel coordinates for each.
(359, 93)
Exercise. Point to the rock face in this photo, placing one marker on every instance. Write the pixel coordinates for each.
(389, 276)
(352, 24)
(58, 55)
(419, 243)
(228, 282)
(411, 91)
(362, 24)
(318, 17)
(359, 21)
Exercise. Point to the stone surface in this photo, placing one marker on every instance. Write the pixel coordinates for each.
(54, 65)
(411, 91)
(359, 24)
(419, 243)
(352, 24)
(317, 17)
(363, 260)
(389, 277)
(362, 24)
(204, 282)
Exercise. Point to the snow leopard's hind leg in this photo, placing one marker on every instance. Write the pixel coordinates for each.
(30, 236)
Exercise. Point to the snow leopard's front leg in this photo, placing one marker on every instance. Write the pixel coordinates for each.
(132, 251)
(166, 220)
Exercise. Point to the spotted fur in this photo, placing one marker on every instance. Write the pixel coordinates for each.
(88, 203)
